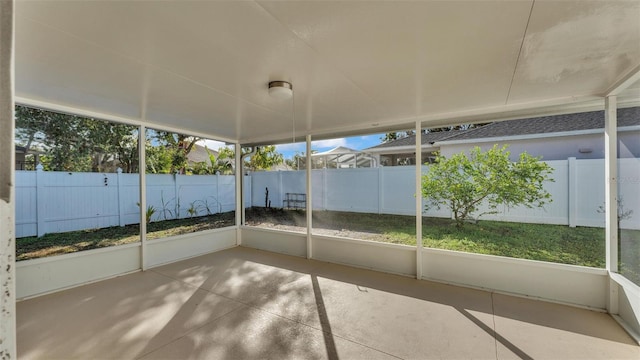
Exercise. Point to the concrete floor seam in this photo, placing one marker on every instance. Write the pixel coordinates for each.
(493, 319)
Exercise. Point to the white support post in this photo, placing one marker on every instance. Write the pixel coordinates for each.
(280, 190)
(380, 190)
(324, 188)
(572, 191)
(40, 208)
(176, 198)
(239, 193)
(418, 200)
(142, 169)
(308, 202)
(121, 198)
(611, 197)
(7, 187)
(220, 209)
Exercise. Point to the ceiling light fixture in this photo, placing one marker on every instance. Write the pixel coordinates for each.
(281, 90)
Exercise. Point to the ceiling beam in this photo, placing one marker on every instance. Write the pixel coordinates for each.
(115, 118)
(627, 80)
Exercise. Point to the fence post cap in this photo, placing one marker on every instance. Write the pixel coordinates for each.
(39, 167)
(119, 170)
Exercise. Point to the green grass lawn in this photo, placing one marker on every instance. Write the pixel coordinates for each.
(629, 249)
(553, 243)
(68, 242)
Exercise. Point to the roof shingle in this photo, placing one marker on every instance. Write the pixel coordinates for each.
(550, 124)
(530, 126)
(427, 138)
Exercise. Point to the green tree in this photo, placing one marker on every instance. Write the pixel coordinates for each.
(391, 136)
(159, 159)
(168, 151)
(264, 159)
(455, 127)
(463, 182)
(76, 143)
(112, 144)
(222, 164)
(299, 161)
(225, 161)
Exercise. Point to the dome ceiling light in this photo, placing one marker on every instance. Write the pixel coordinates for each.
(281, 90)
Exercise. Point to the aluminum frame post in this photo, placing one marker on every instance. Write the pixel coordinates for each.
(611, 197)
(418, 200)
(142, 173)
(309, 206)
(7, 181)
(239, 194)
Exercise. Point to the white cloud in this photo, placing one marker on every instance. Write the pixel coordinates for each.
(330, 143)
(356, 142)
(291, 147)
(211, 144)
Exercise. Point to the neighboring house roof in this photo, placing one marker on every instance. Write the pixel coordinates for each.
(344, 155)
(592, 120)
(340, 150)
(550, 124)
(281, 167)
(23, 150)
(199, 154)
(428, 138)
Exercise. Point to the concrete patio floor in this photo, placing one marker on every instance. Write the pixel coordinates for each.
(249, 304)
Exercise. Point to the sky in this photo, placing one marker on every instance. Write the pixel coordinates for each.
(289, 150)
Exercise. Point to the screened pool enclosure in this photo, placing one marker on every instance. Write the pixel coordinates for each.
(163, 74)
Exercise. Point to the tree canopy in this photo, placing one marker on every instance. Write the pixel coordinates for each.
(222, 164)
(265, 158)
(76, 143)
(82, 144)
(167, 152)
(464, 183)
(299, 161)
(391, 136)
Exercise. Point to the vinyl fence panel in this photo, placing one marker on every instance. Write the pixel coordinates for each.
(62, 201)
(352, 190)
(589, 192)
(629, 191)
(49, 202)
(26, 193)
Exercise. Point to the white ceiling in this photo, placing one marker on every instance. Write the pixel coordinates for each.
(204, 66)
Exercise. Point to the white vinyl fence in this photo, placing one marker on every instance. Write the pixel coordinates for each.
(577, 192)
(50, 202)
(60, 201)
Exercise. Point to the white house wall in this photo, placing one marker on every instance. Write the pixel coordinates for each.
(555, 148)
(628, 303)
(628, 144)
(54, 273)
(568, 284)
(390, 258)
(175, 248)
(284, 242)
(41, 276)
